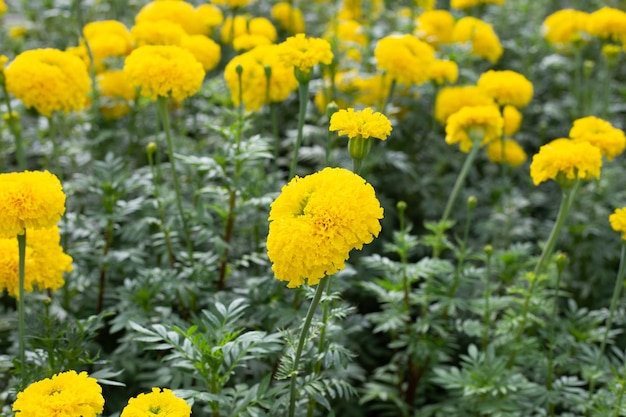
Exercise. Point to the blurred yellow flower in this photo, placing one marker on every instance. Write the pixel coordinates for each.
(316, 221)
(565, 26)
(162, 71)
(3, 7)
(564, 160)
(158, 33)
(599, 133)
(506, 151)
(506, 87)
(107, 38)
(303, 53)
(65, 394)
(451, 99)
(435, 27)
(404, 58)
(363, 124)
(163, 400)
(247, 42)
(484, 41)
(443, 71)
(512, 119)
(17, 32)
(354, 10)
(464, 4)
(178, 12)
(350, 38)
(288, 17)
(210, 15)
(49, 80)
(204, 49)
(45, 262)
(618, 221)
(116, 92)
(464, 126)
(607, 23)
(233, 4)
(244, 25)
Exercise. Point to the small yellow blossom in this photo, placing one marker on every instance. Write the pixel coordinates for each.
(601, 134)
(288, 17)
(512, 120)
(507, 151)
(607, 23)
(156, 403)
(564, 160)
(443, 71)
(506, 87)
(451, 99)
(404, 58)
(435, 27)
(363, 124)
(204, 49)
(618, 221)
(464, 126)
(565, 26)
(304, 53)
(484, 41)
(179, 12)
(210, 15)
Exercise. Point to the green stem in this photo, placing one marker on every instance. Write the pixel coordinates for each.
(162, 110)
(487, 296)
(552, 341)
(617, 291)
(21, 322)
(301, 342)
(303, 92)
(469, 160)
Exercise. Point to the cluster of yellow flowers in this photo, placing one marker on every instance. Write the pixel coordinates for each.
(77, 394)
(570, 26)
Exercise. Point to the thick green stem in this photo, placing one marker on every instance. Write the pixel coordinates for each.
(301, 342)
(303, 92)
(469, 160)
(21, 322)
(162, 110)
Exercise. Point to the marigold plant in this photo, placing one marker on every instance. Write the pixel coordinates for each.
(316, 221)
(65, 394)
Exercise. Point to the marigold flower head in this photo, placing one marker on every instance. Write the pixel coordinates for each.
(49, 80)
(512, 120)
(618, 221)
(255, 65)
(316, 221)
(506, 151)
(565, 26)
(162, 71)
(288, 17)
(156, 403)
(303, 53)
(29, 200)
(45, 262)
(65, 394)
(564, 160)
(463, 126)
(435, 27)
(107, 38)
(484, 41)
(204, 49)
(465, 4)
(404, 58)
(178, 12)
(506, 87)
(210, 15)
(601, 134)
(451, 99)
(607, 23)
(158, 33)
(363, 124)
(444, 71)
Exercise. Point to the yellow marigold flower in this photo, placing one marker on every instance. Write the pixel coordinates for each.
(618, 221)
(469, 122)
(304, 53)
(565, 26)
(404, 58)
(464, 4)
(435, 27)
(158, 33)
(255, 65)
(364, 124)
(29, 200)
(506, 87)
(512, 120)
(233, 4)
(3, 7)
(316, 221)
(163, 71)
(484, 41)
(45, 262)
(107, 38)
(564, 160)
(258, 26)
(288, 17)
(179, 12)
(49, 80)
(607, 23)
(210, 15)
(158, 402)
(65, 394)
(205, 49)
(444, 71)
(601, 134)
(506, 151)
(451, 99)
